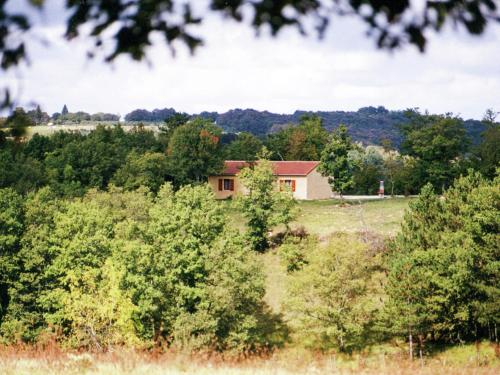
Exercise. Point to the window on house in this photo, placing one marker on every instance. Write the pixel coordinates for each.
(289, 183)
(226, 184)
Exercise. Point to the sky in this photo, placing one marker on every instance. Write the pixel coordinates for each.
(235, 69)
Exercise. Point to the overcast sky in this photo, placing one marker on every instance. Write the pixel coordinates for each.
(458, 73)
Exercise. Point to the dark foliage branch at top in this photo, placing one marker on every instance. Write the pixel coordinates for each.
(392, 23)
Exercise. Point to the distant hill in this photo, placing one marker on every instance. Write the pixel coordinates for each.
(368, 124)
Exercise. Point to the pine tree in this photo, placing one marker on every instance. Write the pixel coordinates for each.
(444, 271)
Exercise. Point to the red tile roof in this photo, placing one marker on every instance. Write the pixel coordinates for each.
(281, 168)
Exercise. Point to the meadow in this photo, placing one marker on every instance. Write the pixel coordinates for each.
(466, 359)
(84, 127)
(324, 217)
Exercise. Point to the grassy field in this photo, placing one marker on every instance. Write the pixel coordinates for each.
(458, 360)
(84, 127)
(378, 216)
(324, 217)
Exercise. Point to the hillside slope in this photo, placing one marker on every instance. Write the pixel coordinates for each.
(368, 124)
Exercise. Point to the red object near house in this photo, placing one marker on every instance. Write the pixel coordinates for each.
(381, 189)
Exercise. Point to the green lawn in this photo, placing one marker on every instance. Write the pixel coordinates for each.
(324, 217)
(379, 216)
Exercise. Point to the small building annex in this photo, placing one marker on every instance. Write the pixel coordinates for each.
(302, 176)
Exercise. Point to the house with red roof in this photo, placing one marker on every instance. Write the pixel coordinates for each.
(302, 177)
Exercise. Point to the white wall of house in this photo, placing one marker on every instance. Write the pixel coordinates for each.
(318, 186)
(300, 185)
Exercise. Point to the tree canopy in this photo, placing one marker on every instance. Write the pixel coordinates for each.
(444, 270)
(336, 163)
(439, 143)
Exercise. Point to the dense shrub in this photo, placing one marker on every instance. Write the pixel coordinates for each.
(124, 268)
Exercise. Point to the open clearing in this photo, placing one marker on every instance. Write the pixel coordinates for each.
(324, 217)
(381, 216)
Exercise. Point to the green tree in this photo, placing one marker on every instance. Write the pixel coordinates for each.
(487, 154)
(172, 123)
(11, 229)
(194, 152)
(17, 123)
(438, 143)
(100, 311)
(38, 116)
(305, 141)
(393, 164)
(149, 169)
(332, 301)
(444, 271)
(264, 206)
(83, 162)
(25, 314)
(38, 146)
(335, 162)
(369, 170)
(193, 280)
(20, 172)
(82, 298)
(64, 111)
(245, 147)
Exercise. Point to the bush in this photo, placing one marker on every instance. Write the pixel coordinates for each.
(121, 268)
(294, 251)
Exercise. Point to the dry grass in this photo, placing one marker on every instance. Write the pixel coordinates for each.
(459, 360)
(275, 279)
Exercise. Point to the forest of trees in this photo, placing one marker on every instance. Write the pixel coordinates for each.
(115, 239)
(369, 125)
(434, 149)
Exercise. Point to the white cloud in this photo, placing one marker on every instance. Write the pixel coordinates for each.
(236, 70)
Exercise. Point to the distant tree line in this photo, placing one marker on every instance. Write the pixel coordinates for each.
(369, 125)
(434, 149)
(22, 118)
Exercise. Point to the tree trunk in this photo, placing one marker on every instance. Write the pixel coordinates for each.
(421, 348)
(410, 340)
